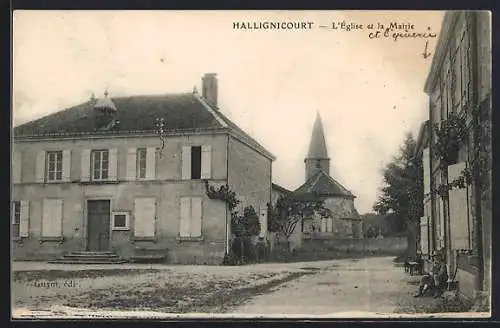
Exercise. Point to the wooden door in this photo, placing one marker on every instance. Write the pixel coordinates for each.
(98, 214)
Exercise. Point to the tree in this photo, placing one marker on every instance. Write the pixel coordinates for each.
(289, 211)
(403, 191)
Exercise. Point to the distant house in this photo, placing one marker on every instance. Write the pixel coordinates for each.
(345, 221)
(96, 177)
(459, 220)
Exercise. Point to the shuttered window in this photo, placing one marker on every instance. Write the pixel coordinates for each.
(52, 218)
(459, 219)
(141, 162)
(100, 164)
(190, 224)
(427, 171)
(54, 165)
(144, 217)
(424, 235)
(103, 164)
(16, 217)
(196, 162)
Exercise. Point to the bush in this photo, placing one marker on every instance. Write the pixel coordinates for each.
(243, 251)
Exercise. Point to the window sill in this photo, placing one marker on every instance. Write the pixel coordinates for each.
(120, 229)
(52, 239)
(99, 182)
(188, 239)
(152, 239)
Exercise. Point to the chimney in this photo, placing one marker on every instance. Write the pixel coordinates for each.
(209, 88)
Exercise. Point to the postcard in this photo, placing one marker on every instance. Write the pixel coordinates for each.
(251, 164)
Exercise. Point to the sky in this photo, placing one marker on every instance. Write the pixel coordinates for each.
(369, 92)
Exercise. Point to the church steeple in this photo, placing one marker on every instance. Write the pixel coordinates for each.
(317, 157)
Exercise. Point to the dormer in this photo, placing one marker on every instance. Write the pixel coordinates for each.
(105, 116)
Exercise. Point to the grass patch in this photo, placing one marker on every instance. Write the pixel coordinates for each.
(432, 305)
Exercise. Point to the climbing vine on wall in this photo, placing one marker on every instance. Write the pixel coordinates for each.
(450, 135)
(225, 194)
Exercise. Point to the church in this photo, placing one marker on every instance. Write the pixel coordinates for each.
(345, 221)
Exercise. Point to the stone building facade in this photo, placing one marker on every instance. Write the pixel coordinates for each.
(98, 177)
(459, 83)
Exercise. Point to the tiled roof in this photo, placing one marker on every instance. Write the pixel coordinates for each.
(321, 184)
(280, 188)
(137, 114)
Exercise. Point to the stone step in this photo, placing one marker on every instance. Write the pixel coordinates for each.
(88, 261)
(100, 256)
(92, 252)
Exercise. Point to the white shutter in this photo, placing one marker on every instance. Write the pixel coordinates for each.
(144, 217)
(196, 217)
(184, 224)
(52, 218)
(424, 234)
(426, 166)
(151, 163)
(206, 162)
(329, 225)
(323, 224)
(441, 221)
(66, 165)
(40, 167)
(24, 222)
(263, 221)
(85, 165)
(112, 168)
(16, 166)
(458, 211)
(186, 163)
(132, 164)
(13, 212)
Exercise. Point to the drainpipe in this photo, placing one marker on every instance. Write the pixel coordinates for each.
(478, 249)
(227, 242)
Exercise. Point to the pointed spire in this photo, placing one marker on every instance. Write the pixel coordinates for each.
(317, 147)
(106, 93)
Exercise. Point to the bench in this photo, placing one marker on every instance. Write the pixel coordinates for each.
(414, 267)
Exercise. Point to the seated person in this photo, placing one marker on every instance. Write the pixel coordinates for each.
(436, 279)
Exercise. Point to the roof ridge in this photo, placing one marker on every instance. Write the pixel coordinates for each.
(335, 181)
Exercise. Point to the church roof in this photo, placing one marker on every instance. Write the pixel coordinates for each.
(182, 112)
(321, 184)
(317, 147)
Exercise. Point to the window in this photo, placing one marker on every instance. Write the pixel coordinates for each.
(141, 162)
(120, 221)
(318, 164)
(191, 217)
(196, 162)
(16, 218)
(100, 164)
(52, 218)
(54, 165)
